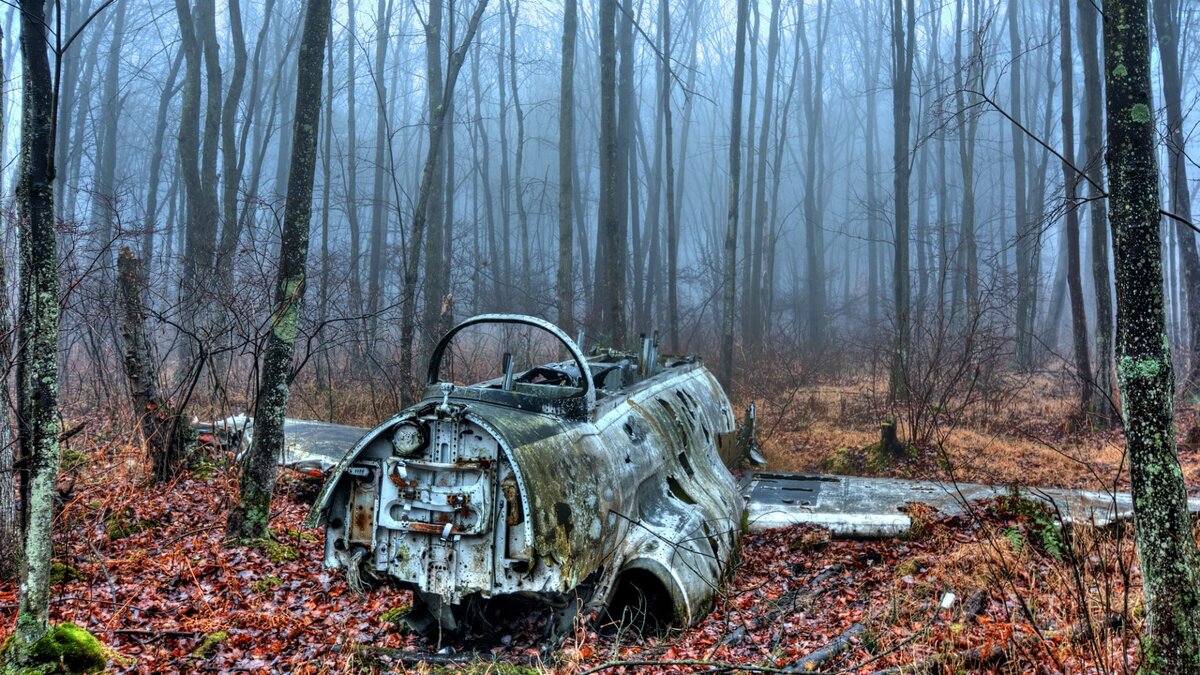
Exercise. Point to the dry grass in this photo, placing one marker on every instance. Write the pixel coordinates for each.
(1029, 436)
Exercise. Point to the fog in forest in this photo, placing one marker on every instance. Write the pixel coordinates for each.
(176, 142)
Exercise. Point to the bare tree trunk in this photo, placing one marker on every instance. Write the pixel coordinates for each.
(903, 29)
(519, 160)
(1167, 553)
(673, 224)
(729, 278)
(617, 256)
(431, 256)
(323, 360)
(352, 213)
(231, 163)
(166, 432)
(756, 291)
(150, 222)
(1166, 25)
(37, 360)
(814, 226)
(1026, 248)
(966, 153)
(379, 204)
(409, 292)
(484, 165)
(1079, 329)
(10, 520)
(1093, 140)
(565, 280)
(249, 519)
(610, 240)
(104, 211)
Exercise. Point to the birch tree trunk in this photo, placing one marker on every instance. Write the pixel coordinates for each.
(37, 361)
(249, 518)
(1167, 553)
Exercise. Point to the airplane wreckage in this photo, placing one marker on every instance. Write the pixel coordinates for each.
(610, 482)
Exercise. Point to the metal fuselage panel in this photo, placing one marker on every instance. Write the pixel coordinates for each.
(496, 501)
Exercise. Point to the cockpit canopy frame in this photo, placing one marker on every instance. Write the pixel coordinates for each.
(563, 401)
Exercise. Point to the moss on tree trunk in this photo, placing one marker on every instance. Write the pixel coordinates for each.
(1167, 552)
(37, 362)
(249, 518)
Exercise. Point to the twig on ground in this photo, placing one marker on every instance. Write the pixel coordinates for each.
(827, 653)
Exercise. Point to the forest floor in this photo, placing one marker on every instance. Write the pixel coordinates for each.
(146, 569)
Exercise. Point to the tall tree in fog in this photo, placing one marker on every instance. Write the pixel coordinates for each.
(904, 19)
(249, 518)
(37, 337)
(664, 12)
(430, 182)
(10, 519)
(1079, 328)
(967, 75)
(609, 295)
(729, 278)
(104, 207)
(433, 291)
(1166, 27)
(565, 280)
(813, 105)
(1027, 257)
(1093, 144)
(377, 266)
(1166, 545)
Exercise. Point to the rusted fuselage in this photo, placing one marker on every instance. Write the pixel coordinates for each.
(581, 483)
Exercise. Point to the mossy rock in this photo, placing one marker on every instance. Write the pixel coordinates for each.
(67, 648)
(61, 573)
(208, 646)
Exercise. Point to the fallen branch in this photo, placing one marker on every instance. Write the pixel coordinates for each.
(976, 657)
(152, 633)
(827, 653)
(713, 666)
(449, 660)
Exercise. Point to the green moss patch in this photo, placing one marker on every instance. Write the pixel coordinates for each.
(208, 646)
(72, 459)
(125, 523)
(67, 648)
(267, 583)
(395, 615)
(276, 552)
(61, 573)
